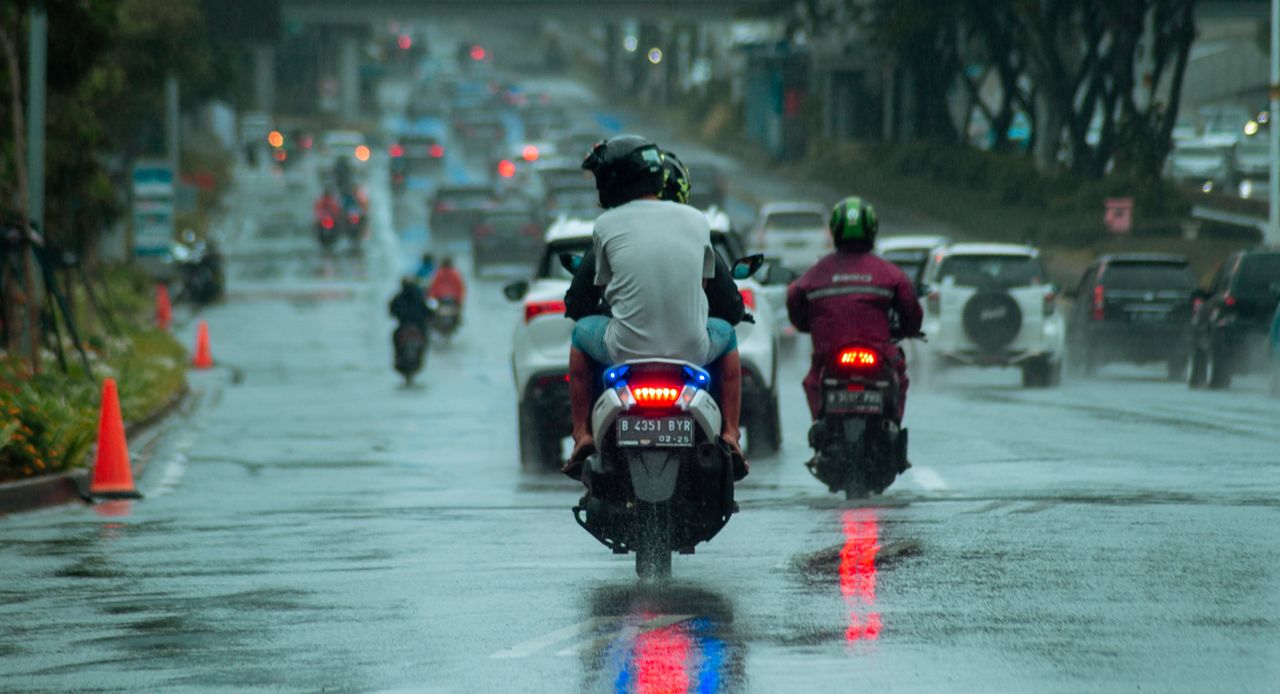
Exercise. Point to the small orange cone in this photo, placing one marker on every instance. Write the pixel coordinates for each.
(112, 475)
(204, 358)
(164, 310)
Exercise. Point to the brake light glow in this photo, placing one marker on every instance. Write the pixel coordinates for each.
(477, 53)
(655, 395)
(748, 298)
(436, 151)
(1228, 299)
(404, 41)
(327, 222)
(530, 153)
(362, 153)
(396, 151)
(859, 357)
(280, 155)
(354, 218)
(275, 139)
(506, 168)
(1099, 303)
(533, 309)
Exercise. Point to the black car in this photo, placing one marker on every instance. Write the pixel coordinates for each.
(455, 209)
(1132, 308)
(508, 231)
(1232, 319)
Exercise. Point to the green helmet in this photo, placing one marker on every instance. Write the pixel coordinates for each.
(854, 222)
(676, 188)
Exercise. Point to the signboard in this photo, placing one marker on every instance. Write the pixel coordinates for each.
(152, 213)
(1119, 215)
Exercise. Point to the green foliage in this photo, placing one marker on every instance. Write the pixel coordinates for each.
(48, 421)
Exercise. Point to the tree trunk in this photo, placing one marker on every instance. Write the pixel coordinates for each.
(30, 326)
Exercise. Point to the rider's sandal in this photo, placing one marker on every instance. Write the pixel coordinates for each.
(573, 468)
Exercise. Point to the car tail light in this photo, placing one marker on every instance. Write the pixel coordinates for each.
(935, 303)
(396, 151)
(1229, 299)
(1099, 303)
(506, 168)
(482, 230)
(859, 357)
(530, 153)
(533, 309)
(307, 142)
(354, 218)
(280, 155)
(327, 222)
(748, 298)
(1050, 303)
(436, 151)
(655, 395)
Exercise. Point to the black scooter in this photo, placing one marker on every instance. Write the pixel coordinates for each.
(411, 350)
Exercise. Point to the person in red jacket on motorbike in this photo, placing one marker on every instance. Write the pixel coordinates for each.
(848, 296)
(447, 283)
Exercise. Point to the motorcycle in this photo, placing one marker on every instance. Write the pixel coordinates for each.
(200, 268)
(411, 350)
(859, 441)
(355, 222)
(327, 231)
(446, 316)
(662, 480)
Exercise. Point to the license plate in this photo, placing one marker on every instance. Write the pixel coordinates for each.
(655, 432)
(854, 401)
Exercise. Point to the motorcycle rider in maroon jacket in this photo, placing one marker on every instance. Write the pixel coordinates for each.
(848, 296)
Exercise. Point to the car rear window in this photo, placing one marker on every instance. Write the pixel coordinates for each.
(992, 270)
(794, 221)
(1148, 276)
(1257, 272)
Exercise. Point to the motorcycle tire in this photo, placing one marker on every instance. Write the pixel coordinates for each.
(764, 430)
(538, 450)
(653, 550)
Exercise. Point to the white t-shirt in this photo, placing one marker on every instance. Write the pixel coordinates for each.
(651, 259)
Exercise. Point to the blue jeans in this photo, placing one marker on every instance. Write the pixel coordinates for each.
(588, 337)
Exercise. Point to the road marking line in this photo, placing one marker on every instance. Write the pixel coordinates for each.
(528, 648)
(172, 476)
(929, 479)
(651, 625)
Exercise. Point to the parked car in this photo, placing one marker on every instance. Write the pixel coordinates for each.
(540, 350)
(1202, 163)
(909, 253)
(1134, 307)
(1229, 326)
(455, 209)
(507, 231)
(793, 233)
(992, 305)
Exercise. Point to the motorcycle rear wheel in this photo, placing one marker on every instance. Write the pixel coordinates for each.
(653, 551)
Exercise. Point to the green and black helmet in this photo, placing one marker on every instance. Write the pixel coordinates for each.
(854, 224)
(678, 184)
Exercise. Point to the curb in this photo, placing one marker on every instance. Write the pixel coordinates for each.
(62, 488)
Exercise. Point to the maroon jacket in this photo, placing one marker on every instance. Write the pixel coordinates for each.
(846, 297)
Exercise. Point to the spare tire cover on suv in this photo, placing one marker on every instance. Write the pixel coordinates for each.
(992, 319)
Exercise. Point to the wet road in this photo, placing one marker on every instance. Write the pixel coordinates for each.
(311, 524)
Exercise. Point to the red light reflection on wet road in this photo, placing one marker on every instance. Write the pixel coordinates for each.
(660, 661)
(858, 574)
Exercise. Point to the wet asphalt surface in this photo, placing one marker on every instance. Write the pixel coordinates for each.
(312, 524)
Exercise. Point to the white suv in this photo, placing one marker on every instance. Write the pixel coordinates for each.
(540, 350)
(992, 305)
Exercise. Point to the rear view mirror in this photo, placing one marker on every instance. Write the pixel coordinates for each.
(570, 262)
(744, 268)
(516, 290)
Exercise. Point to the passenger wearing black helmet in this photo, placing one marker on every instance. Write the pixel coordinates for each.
(653, 258)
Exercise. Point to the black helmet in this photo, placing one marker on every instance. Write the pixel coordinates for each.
(678, 184)
(626, 167)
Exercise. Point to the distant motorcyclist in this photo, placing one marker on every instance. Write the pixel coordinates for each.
(848, 296)
(447, 284)
(327, 206)
(426, 268)
(653, 258)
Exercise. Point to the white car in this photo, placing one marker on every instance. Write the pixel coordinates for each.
(793, 233)
(540, 350)
(909, 253)
(992, 305)
(350, 144)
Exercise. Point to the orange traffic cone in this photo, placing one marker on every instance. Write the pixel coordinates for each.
(112, 476)
(164, 310)
(204, 358)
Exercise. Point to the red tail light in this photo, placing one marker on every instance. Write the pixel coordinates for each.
(1099, 303)
(935, 303)
(396, 151)
(655, 395)
(1228, 299)
(436, 151)
(280, 155)
(748, 298)
(353, 218)
(533, 309)
(327, 222)
(859, 357)
(506, 169)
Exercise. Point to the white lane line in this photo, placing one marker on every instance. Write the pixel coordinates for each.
(172, 476)
(929, 479)
(652, 625)
(528, 648)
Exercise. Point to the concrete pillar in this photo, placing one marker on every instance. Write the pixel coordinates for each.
(264, 78)
(349, 75)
